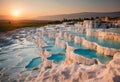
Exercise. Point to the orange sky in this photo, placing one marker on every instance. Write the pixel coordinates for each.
(35, 8)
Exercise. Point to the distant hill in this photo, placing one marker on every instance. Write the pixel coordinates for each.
(78, 15)
(69, 16)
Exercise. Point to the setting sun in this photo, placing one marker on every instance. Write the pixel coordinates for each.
(16, 13)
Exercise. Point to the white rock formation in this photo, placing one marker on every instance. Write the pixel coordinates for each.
(81, 73)
(72, 57)
(77, 68)
(91, 45)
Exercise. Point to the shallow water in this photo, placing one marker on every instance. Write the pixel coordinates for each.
(14, 57)
(57, 58)
(93, 54)
(105, 43)
(71, 43)
(56, 50)
(34, 63)
(58, 54)
(19, 54)
(114, 30)
(47, 47)
(79, 49)
(49, 40)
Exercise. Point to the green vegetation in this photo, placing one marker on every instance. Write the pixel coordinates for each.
(11, 25)
(7, 25)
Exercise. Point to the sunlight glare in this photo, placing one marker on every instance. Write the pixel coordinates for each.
(16, 13)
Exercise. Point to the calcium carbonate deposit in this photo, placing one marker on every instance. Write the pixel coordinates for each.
(56, 53)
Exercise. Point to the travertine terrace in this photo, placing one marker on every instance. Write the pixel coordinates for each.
(76, 67)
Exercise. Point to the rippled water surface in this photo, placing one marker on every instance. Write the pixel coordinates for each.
(105, 43)
(57, 58)
(19, 53)
(93, 54)
(16, 53)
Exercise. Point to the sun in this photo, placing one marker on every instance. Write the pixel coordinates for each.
(16, 13)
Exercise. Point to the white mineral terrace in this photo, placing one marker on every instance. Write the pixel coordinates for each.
(67, 54)
(77, 67)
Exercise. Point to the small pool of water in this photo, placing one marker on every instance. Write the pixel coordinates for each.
(56, 49)
(47, 47)
(93, 54)
(105, 43)
(114, 30)
(49, 40)
(71, 43)
(34, 63)
(57, 58)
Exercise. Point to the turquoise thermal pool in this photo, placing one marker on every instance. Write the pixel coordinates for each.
(19, 55)
(34, 63)
(92, 54)
(49, 40)
(105, 43)
(56, 50)
(57, 58)
(79, 49)
(47, 47)
(114, 30)
(16, 54)
(71, 43)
